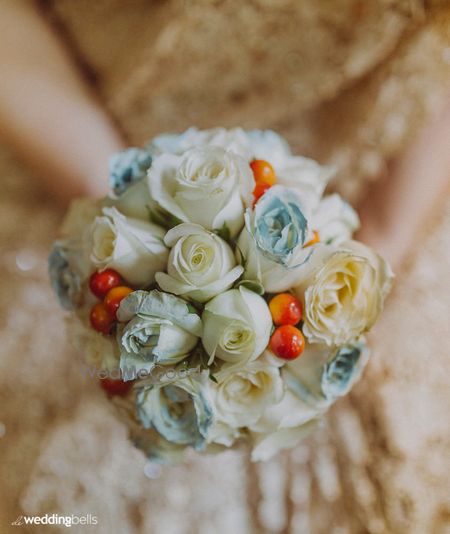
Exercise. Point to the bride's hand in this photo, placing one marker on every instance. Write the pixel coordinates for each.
(48, 115)
(399, 210)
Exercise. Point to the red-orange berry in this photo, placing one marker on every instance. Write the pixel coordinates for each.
(315, 239)
(114, 297)
(101, 282)
(287, 342)
(263, 171)
(116, 386)
(260, 189)
(101, 319)
(285, 309)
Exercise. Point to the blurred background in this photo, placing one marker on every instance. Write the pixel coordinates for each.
(364, 86)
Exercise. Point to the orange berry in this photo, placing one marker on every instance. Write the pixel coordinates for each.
(287, 342)
(101, 282)
(285, 309)
(116, 386)
(114, 297)
(101, 319)
(260, 189)
(315, 239)
(263, 171)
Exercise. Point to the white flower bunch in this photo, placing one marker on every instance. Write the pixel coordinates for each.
(224, 287)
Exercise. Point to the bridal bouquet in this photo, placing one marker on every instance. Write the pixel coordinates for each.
(216, 293)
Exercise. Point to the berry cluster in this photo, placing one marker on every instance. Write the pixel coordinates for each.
(287, 341)
(109, 286)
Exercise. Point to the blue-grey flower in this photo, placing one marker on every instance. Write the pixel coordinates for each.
(160, 328)
(64, 279)
(156, 448)
(277, 224)
(179, 411)
(340, 372)
(323, 374)
(127, 167)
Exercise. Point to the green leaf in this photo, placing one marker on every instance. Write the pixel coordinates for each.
(240, 256)
(199, 356)
(162, 218)
(224, 232)
(184, 364)
(213, 378)
(252, 285)
(195, 307)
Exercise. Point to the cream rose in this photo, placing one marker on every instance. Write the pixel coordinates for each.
(207, 185)
(201, 264)
(344, 293)
(132, 247)
(240, 398)
(236, 326)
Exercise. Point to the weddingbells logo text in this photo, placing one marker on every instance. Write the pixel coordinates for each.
(56, 519)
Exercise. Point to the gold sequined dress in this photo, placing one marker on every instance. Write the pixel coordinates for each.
(348, 82)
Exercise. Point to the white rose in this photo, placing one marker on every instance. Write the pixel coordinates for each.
(250, 144)
(335, 220)
(323, 373)
(313, 382)
(234, 140)
(201, 264)
(132, 247)
(81, 213)
(306, 177)
(99, 352)
(207, 185)
(69, 262)
(269, 146)
(266, 445)
(240, 398)
(286, 422)
(344, 293)
(76, 229)
(236, 326)
(134, 202)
